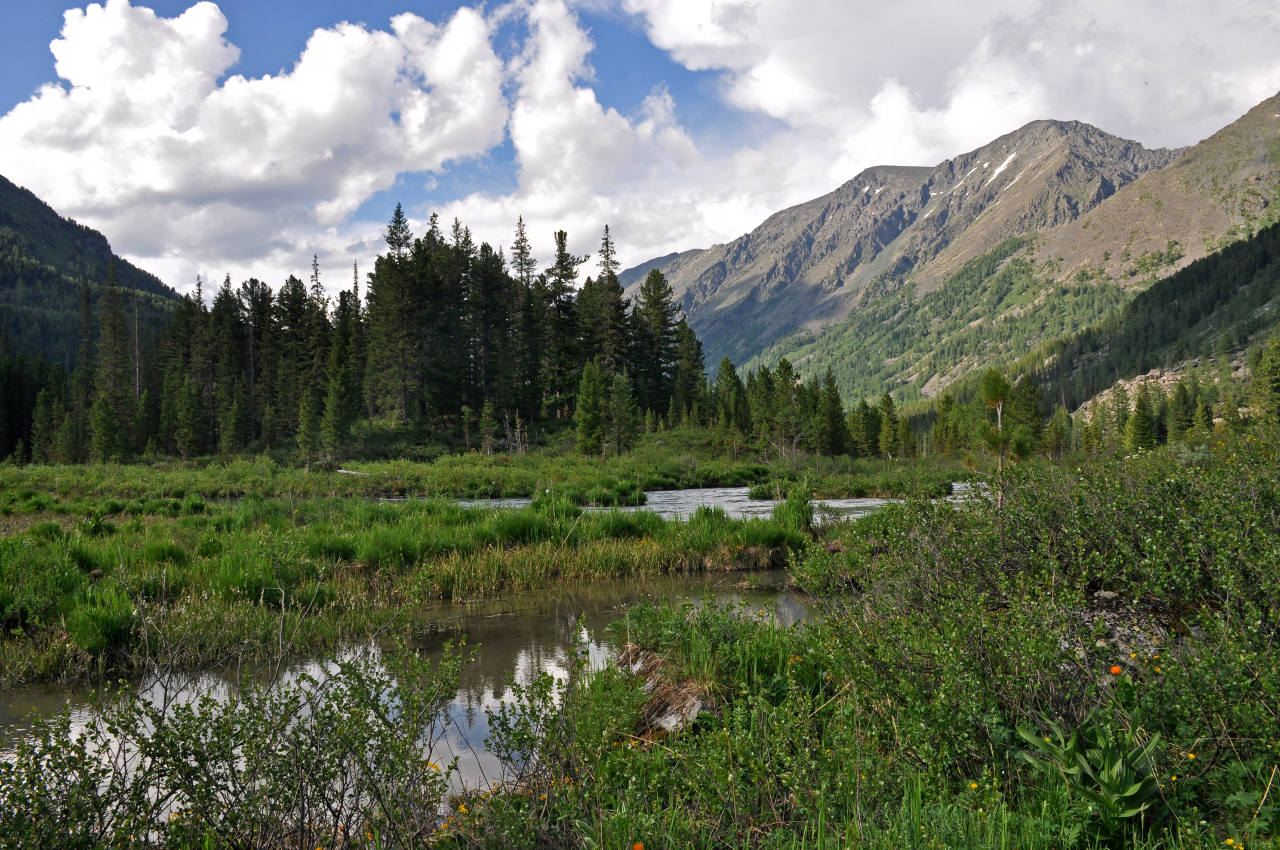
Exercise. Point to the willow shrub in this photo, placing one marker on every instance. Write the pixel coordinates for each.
(351, 757)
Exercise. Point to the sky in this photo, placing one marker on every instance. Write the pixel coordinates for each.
(241, 138)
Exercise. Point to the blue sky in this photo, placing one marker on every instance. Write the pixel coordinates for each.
(241, 137)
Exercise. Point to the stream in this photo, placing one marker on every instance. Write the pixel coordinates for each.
(515, 636)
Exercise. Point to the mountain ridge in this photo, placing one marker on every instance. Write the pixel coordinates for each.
(830, 254)
(45, 259)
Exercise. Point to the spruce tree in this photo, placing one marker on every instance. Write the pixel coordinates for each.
(689, 381)
(1266, 383)
(309, 424)
(487, 426)
(731, 409)
(396, 324)
(560, 349)
(590, 409)
(1140, 430)
(111, 420)
(832, 426)
(341, 401)
(887, 432)
(1057, 434)
(624, 416)
(654, 322)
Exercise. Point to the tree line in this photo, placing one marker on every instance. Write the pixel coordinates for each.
(454, 342)
(448, 338)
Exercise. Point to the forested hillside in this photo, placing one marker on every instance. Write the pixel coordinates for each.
(1221, 304)
(47, 263)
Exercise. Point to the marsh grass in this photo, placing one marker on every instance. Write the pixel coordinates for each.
(332, 565)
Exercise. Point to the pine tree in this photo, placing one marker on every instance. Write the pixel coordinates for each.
(832, 426)
(864, 427)
(731, 409)
(523, 264)
(624, 416)
(590, 410)
(946, 434)
(257, 302)
(655, 342)
(905, 439)
(114, 407)
(490, 301)
(341, 401)
(689, 381)
(82, 391)
(996, 391)
(1119, 414)
(187, 419)
(1026, 405)
(560, 349)
(309, 424)
(398, 236)
(887, 432)
(1140, 430)
(487, 426)
(1266, 383)
(396, 319)
(1057, 434)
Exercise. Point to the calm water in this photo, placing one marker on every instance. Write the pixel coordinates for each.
(680, 504)
(514, 637)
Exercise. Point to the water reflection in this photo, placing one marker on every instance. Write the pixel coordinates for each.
(514, 637)
(734, 501)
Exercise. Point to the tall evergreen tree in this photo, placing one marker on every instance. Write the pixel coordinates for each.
(624, 416)
(731, 409)
(590, 409)
(887, 432)
(1266, 383)
(395, 324)
(114, 404)
(688, 384)
(832, 426)
(1140, 427)
(654, 321)
(559, 342)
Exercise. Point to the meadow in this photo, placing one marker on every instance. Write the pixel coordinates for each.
(1088, 660)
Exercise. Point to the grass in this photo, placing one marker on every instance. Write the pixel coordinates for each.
(192, 585)
(676, 459)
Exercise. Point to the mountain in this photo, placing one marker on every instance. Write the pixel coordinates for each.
(1224, 189)
(1029, 290)
(811, 265)
(44, 259)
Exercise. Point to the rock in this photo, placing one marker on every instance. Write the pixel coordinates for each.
(672, 705)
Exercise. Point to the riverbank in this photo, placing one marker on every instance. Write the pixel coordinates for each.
(1091, 664)
(203, 583)
(667, 460)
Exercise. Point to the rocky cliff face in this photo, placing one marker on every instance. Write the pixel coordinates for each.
(1223, 189)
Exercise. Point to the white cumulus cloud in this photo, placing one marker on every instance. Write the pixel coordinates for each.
(185, 170)
(150, 136)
